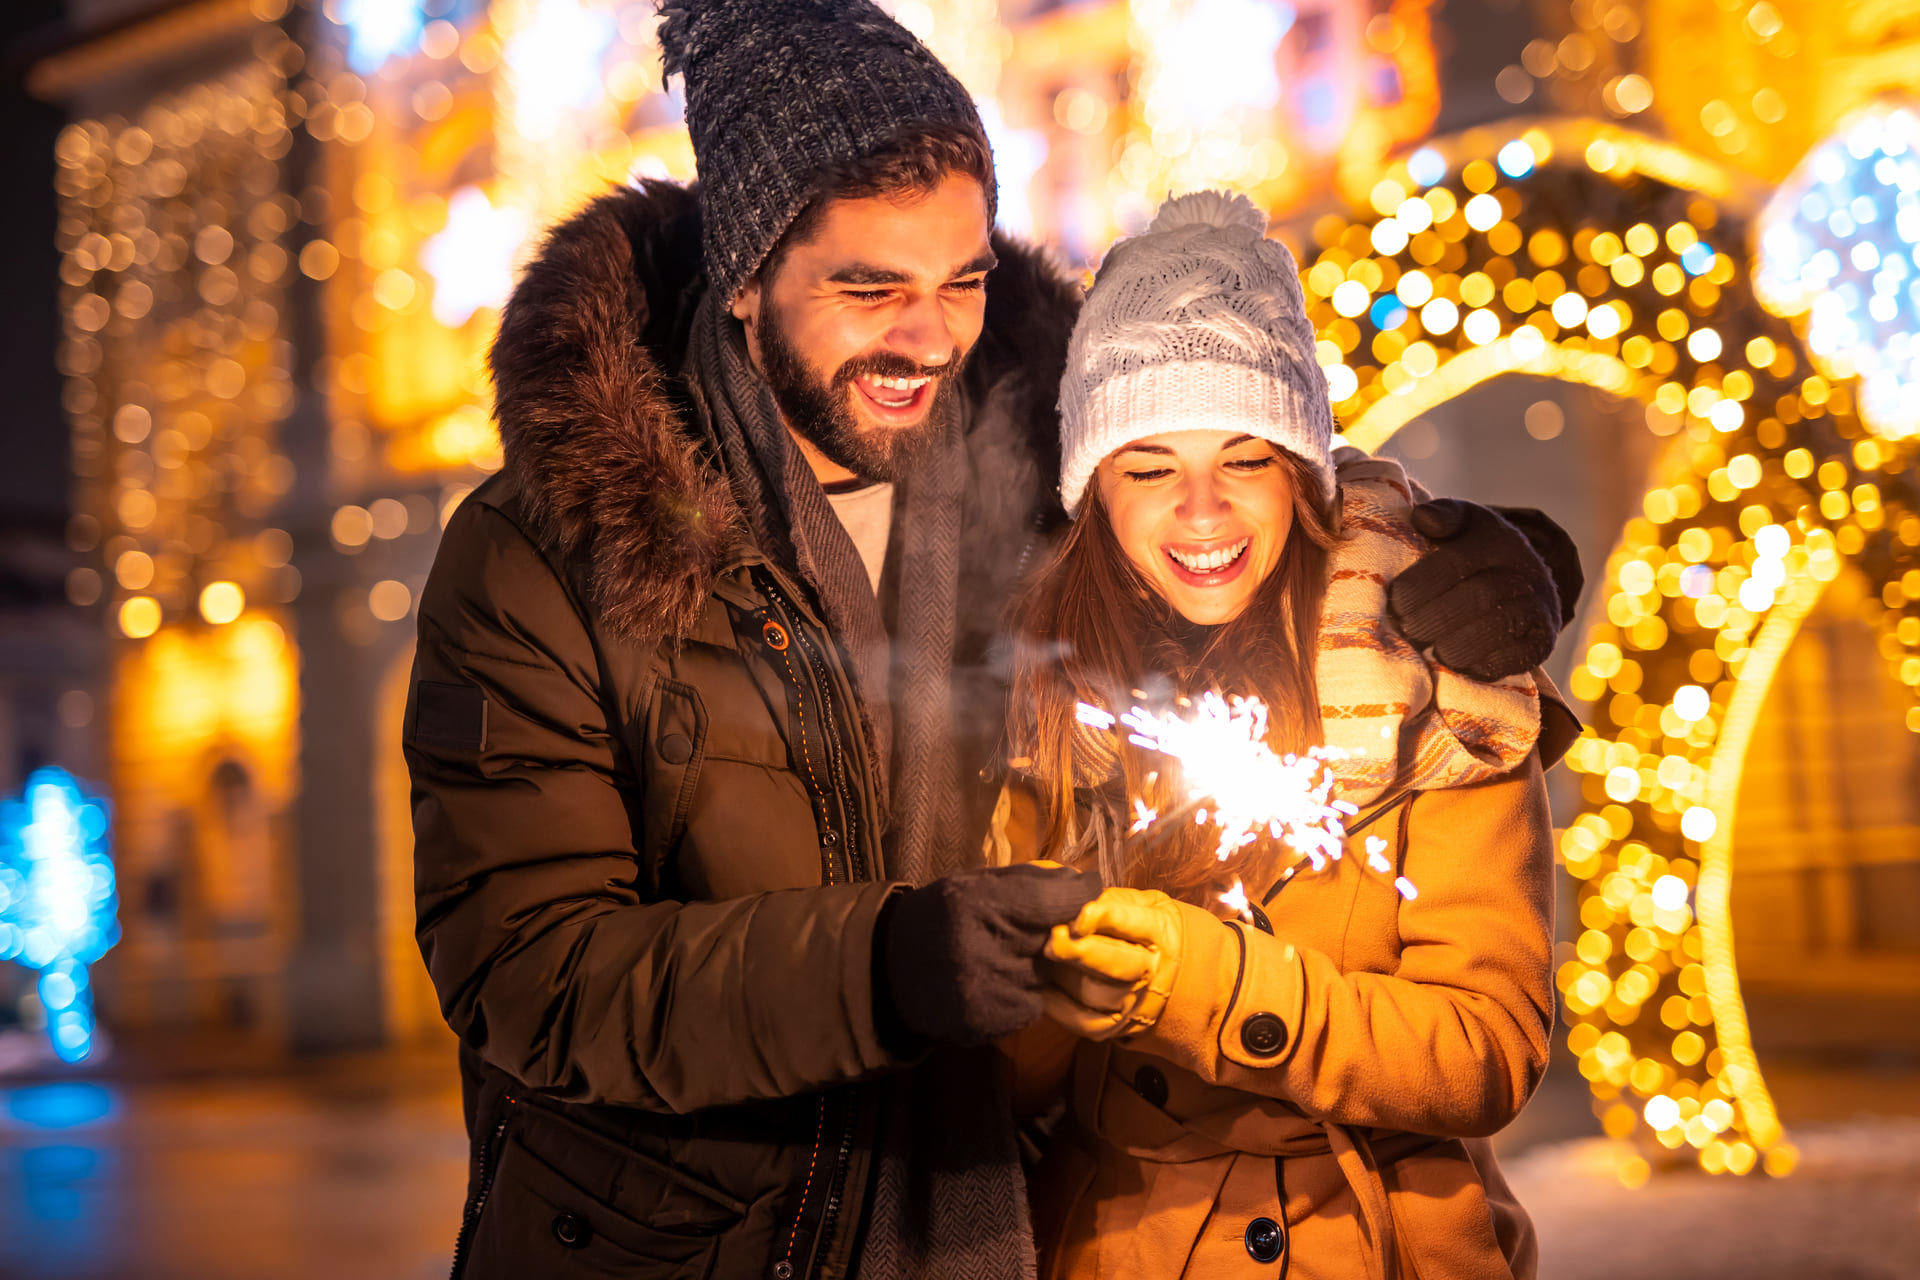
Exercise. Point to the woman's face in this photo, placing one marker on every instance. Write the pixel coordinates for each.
(1204, 515)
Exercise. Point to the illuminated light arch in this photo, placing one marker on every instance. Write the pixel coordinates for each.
(1770, 484)
(1377, 424)
(1713, 893)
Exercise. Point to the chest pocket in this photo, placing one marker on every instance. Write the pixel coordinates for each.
(670, 760)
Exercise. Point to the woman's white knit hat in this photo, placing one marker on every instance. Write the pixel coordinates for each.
(1196, 324)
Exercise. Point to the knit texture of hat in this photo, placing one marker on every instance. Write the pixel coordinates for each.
(777, 91)
(1196, 324)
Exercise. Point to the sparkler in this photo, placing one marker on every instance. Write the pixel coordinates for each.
(1241, 786)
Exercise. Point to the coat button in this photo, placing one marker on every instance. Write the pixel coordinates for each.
(783, 1270)
(572, 1231)
(676, 749)
(828, 839)
(775, 635)
(1265, 1240)
(1151, 1084)
(1264, 1035)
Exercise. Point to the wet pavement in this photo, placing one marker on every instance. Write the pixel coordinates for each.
(351, 1170)
(354, 1168)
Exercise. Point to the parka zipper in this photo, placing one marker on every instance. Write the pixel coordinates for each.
(837, 1186)
(855, 866)
(488, 1161)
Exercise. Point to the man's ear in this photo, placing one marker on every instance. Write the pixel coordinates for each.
(746, 309)
(746, 303)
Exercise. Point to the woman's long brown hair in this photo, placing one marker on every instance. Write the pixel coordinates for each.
(1089, 628)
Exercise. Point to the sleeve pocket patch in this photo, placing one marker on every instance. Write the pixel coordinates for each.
(450, 715)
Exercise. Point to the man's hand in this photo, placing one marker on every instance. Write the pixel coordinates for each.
(1111, 970)
(956, 959)
(1491, 597)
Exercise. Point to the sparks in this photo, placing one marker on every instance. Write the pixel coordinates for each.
(1222, 745)
(1222, 749)
(1240, 785)
(1093, 716)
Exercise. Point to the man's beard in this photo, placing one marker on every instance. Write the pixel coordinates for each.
(824, 416)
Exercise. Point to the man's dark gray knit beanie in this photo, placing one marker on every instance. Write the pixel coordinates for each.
(778, 90)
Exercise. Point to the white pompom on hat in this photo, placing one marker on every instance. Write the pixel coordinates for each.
(1196, 324)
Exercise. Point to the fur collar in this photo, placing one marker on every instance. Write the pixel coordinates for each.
(602, 451)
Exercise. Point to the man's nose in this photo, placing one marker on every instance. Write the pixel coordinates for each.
(921, 333)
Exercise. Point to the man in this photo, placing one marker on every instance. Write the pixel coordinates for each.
(704, 724)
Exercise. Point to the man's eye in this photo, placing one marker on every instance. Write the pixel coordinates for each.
(867, 295)
(977, 285)
(1151, 473)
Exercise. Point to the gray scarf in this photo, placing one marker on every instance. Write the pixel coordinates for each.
(904, 681)
(948, 1199)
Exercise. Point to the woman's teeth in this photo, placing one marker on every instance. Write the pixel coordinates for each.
(1209, 561)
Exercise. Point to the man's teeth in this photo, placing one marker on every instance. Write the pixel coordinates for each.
(896, 384)
(1209, 561)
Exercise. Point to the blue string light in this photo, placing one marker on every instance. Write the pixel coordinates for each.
(380, 29)
(1840, 242)
(57, 899)
(1426, 166)
(1388, 312)
(1515, 159)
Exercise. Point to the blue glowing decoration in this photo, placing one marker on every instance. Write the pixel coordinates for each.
(57, 899)
(65, 1104)
(1515, 159)
(1388, 312)
(1426, 166)
(1697, 258)
(1840, 243)
(380, 29)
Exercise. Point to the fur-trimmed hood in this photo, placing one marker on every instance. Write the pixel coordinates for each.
(611, 468)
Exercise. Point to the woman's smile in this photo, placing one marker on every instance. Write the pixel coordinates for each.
(1209, 565)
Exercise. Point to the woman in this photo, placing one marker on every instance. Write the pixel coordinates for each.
(1302, 1087)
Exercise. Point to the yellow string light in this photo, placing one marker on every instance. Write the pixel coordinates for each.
(1755, 508)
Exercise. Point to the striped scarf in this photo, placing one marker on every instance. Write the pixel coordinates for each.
(1408, 722)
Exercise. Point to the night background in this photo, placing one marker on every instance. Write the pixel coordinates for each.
(1648, 265)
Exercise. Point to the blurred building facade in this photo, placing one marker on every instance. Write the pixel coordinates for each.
(287, 229)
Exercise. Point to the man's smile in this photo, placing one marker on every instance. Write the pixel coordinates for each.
(895, 401)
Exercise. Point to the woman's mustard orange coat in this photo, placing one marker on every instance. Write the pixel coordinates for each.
(1314, 1102)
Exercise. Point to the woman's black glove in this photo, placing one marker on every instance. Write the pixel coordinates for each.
(1491, 597)
(954, 961)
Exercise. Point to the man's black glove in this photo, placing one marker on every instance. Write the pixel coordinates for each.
(1491, 597)
(954, 960)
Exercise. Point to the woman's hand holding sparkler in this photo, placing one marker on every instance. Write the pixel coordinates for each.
(1111, 970)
